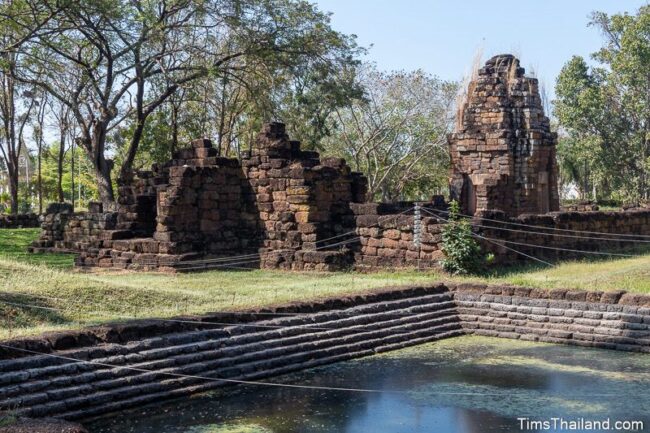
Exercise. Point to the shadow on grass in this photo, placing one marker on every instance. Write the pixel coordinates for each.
(20, 311)
(518, 268)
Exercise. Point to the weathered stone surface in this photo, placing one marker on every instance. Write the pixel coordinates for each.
(199, 208)
(503, 150)
(28, 220)
(262, 344)
(283, 207)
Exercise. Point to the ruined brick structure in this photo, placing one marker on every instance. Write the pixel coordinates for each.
(279, 203)
(286, 208)
(22, 220)
(503, 151)
(386, 236)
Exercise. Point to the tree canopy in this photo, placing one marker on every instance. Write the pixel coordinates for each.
(604, 111)
(113, 62)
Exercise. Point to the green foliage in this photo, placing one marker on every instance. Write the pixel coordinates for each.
(397, 133)
(196, 68)
(462, 252)
(85, 184)
(604, 112)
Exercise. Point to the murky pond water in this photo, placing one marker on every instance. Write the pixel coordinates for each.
(466, 384)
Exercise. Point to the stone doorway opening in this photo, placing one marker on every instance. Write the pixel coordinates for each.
(468, 196)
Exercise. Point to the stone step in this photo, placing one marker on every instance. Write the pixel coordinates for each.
(558, 340)
(117, 351)
(377, 320)
(180, 392)
(554, 330)
(246, 372)
(212, 350)
(38, 386)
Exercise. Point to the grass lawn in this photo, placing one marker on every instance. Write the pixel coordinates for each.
(80, 299)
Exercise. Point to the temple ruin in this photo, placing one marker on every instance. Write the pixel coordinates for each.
(283, 207)
(279, 202)
(503, 150)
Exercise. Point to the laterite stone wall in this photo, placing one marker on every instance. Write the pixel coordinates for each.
(386, 236)
(551, 237)
(26, 220)
(115, 367)
(278, 202)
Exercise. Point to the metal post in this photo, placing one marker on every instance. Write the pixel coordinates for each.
(417, 230)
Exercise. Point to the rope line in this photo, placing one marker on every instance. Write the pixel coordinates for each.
(549, 247)
(547, 228)
(252, 313)
(257, 382)
(560, 234)
(604, 253)
(504, 246)
(239, 259)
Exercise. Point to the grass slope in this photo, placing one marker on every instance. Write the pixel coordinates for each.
(81, 299)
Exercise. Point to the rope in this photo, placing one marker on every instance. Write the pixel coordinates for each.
(497, 244)
(551, 248)
(247, 313)
(560, 234)
(256, 382)
(200, 322)
(547, 228)
(255, 257)
(565, 249)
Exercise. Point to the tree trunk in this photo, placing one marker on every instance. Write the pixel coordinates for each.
(40, 178)
(104, 183)
(72, 157)
(94, 142)
(126, 171)
(13, 192)
(59, 168)
(174, 130)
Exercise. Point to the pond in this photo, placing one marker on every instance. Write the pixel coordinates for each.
(460, 385)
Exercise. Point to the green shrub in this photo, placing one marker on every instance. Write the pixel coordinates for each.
(462, 252)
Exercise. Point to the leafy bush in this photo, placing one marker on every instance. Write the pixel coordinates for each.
(462, 252)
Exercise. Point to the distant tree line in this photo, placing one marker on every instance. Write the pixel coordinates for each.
(93, 90)
(604, 112)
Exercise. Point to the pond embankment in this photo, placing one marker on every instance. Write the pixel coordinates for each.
(115, 367)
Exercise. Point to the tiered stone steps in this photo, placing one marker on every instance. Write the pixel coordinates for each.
(121, 376)
(587, 324)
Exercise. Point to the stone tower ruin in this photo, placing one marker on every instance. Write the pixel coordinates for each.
(503, 150)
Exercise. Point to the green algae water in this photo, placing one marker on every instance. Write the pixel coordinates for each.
(459, 385)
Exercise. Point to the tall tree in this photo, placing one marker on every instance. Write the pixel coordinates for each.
(605, 110)
(397, 133)
(62, 122)
(38, 128)
(103, 58)
(16, 106)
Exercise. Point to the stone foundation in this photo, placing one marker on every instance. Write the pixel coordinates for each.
(369, 236)
(277, 341)
(20, 221)
(278, 208)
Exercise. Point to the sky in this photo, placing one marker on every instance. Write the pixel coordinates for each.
(443, 36)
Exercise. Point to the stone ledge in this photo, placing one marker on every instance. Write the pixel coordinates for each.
(125, 332)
